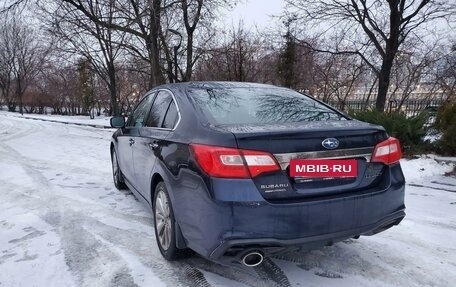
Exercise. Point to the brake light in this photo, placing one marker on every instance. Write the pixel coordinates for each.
(259, 162)
(387, 152)
(231, 162)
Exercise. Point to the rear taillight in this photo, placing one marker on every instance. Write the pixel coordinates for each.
(387, 152)
(233, 163)
(259, 162)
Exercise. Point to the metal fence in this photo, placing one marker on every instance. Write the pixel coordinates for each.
(410, 107)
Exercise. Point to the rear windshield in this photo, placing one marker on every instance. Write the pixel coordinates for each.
(260, 106)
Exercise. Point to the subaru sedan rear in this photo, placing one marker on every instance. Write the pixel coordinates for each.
(237, 171)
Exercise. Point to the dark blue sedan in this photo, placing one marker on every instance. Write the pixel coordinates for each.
(238, 171)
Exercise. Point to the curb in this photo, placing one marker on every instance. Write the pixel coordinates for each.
(437, 158)
(66, 123)
(445, 160)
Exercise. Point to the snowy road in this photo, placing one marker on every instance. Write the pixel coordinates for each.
(62, 223)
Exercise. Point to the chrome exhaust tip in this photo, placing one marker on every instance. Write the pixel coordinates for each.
(252, 259)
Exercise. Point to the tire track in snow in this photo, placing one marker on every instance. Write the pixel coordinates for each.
(10, 131)
(110, 244)
(75, 241)
(244, 275)
(16, 157)
(61, 206)
(141, 249)
(78, 246)
(270, 271)
(195, 276)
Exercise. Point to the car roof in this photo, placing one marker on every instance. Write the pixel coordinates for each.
(214, 85)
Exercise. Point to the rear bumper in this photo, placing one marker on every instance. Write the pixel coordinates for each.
(235, 215)
(310, 241)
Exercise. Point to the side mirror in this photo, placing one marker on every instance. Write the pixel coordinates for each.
(117, 122)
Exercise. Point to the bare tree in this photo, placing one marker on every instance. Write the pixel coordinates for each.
(192, 11)
(236, 57)
(149, 22)
(140, 19)
(100, 45)
(61, 86)
(444, 75)
(337, 78)
(411, 70)
(6, 69)
(22, 57)
(371, 24)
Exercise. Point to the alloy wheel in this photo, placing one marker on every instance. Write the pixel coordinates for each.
(163, 220)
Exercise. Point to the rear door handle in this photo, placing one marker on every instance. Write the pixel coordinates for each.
(153, 145)
(132, 141)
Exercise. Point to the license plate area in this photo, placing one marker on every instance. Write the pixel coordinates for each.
(305, 169)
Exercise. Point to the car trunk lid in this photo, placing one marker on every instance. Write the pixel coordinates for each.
(304, 141)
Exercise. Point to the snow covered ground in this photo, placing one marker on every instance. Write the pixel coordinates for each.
(62, 223)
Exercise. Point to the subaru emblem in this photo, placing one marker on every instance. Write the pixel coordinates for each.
(330, 143)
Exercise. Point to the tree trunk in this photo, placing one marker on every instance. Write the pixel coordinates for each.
(241, 61)
(392, 45)
(11, 106)
(384, 75)
(383, 85)
(157, 77)
(113, 90)
(188, 70)
(19, 95)
(155, 69)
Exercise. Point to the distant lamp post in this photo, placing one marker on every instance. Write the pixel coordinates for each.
(176, 48)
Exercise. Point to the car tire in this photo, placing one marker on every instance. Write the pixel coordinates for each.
(165, 225)
(117, 176)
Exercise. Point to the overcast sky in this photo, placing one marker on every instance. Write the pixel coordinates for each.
(255, 12)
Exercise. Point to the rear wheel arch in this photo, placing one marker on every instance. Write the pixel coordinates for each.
(179, 240)
(156, 178)
(116, 170)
